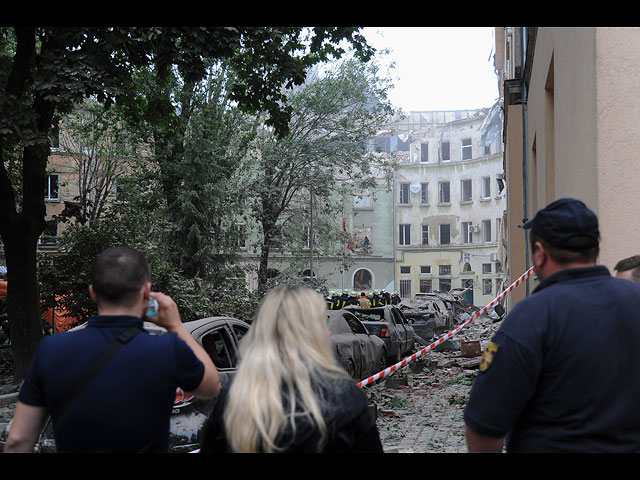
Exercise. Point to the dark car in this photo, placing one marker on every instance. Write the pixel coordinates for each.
(360, 352)
(219, 336)
(391, 326)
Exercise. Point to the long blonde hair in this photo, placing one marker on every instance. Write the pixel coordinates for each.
(286, 347)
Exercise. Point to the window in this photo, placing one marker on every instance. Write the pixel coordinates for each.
(405, 288)
(424, 193)
(444, 269)
(424, 152)
(486, 231)
(499, 268)
(445, 284)
(51, 191)
(216, 344)
(466, 267)
(486, 187)
(466, 232)
(404, 237)
(486, 286)
(446, 151)
(445, 234)
(425, 285)
(444, 192)
(425, 268)
(466, 148)
(241, 236)
(425, 235)
(405, 269)
(49, 235)
(486, 268)
(364, 200)
(404, 193)
(466, 191)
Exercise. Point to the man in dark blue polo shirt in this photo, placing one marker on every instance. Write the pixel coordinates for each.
(127, 406)
(560, 375)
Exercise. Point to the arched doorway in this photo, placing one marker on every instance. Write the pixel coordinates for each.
(362, 280)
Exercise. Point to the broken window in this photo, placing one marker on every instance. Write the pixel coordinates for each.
(486, 231)
(404, 193)
(466, 149)
(216, 344)
(466, 191)
(486, 286)
(466, 232)
(445, 284)
(424, 152)
(424, 193)
(425, 286)
(444, 192)
(404, 234)
(445, 234)
(446, 151)
(486, 187)
(445, 269)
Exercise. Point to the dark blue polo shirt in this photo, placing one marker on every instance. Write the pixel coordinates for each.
(564, 376)
(126, 408)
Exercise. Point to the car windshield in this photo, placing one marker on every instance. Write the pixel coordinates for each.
(369, 316)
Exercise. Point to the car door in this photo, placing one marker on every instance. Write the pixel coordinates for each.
(401, 326)
(361, 344)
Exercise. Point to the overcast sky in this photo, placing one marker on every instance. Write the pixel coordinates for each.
(439, 68)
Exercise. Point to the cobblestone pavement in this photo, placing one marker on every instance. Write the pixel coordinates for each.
(422, 411)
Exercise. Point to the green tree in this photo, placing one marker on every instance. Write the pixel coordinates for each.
(321, 159)
(45, 71)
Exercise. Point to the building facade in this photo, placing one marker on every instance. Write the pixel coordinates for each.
(449, 204)
(571, 130)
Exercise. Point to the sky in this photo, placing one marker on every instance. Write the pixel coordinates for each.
(439, 68)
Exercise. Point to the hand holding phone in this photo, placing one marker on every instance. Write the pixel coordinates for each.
(152, 308)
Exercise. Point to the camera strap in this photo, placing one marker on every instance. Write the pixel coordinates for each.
(123, 338)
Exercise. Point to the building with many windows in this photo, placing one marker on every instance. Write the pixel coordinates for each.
(449, 203)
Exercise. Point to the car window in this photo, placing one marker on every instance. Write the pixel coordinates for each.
(354, 324)
(219, 347)
(239, 331)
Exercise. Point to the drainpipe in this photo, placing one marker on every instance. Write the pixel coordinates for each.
(394, 231)
(525, 163)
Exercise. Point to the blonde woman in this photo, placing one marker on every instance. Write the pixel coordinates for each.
(289, 393)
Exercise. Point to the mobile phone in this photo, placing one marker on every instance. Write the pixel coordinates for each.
(152, 308)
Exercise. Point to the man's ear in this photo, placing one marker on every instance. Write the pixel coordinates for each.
(540, 256)
(146, 291)
(92, 294)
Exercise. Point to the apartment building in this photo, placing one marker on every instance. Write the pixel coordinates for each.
(571, 130)
(449, 204)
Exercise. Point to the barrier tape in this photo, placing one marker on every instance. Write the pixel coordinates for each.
(402, 363)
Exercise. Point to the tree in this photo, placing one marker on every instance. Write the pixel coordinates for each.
(45, 71)
(320, 158)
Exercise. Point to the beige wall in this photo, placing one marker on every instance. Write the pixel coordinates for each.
(583, 134)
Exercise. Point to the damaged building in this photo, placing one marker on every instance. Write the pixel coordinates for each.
(449, 203)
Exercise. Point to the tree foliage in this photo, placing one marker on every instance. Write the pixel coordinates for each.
(46, 71)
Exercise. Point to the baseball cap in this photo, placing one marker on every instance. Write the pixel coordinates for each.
(566, 223)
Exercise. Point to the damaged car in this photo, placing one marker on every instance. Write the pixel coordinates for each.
(391, 326)
(219, 336)
(360, 352)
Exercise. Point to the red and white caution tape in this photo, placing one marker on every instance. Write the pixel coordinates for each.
(402, 363)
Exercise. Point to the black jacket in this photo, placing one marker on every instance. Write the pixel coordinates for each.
(351, 426)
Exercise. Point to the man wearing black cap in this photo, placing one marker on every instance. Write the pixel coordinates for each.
(561, 372)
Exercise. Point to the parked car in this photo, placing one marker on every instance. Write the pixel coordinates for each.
(219, 336)
(360, 352)
(391, 326)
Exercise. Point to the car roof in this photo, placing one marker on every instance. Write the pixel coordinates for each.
(191, 326)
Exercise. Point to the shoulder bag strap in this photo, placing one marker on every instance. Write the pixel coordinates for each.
(95, 367)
